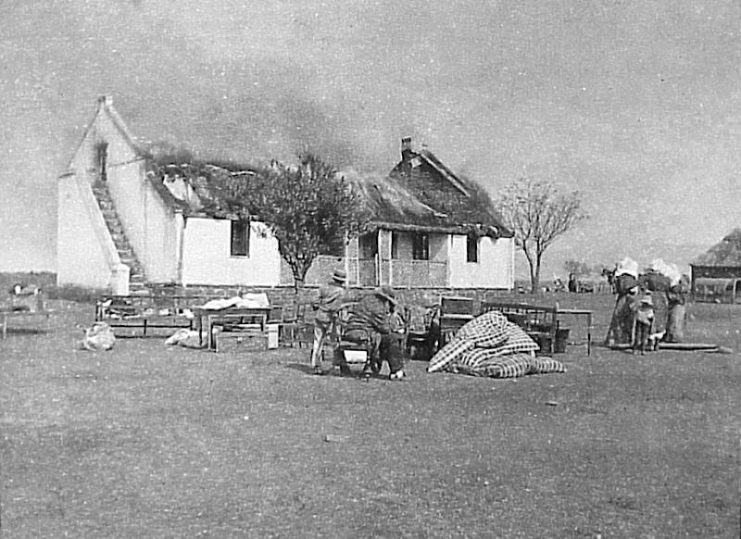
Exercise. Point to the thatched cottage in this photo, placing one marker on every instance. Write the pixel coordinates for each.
(127, 219)
(433, 229)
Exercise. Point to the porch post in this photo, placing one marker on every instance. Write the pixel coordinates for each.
(389, 235)
(347, 261)
(379, 265)
(448, 271)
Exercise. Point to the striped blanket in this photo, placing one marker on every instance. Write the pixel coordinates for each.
(490, 332)
(492, 346)
(512, 366)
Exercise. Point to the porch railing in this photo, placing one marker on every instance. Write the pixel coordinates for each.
(403, 273)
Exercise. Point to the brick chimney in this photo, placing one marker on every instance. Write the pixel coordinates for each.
(406, 148)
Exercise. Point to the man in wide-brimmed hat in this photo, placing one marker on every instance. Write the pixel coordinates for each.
(327, 305)
(376, 314)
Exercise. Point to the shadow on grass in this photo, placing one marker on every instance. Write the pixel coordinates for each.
(29, 331)
(353, 373)
(301, 367)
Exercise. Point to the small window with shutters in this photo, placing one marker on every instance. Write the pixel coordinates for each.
(421, 247)
(240, 244)
(472, 248)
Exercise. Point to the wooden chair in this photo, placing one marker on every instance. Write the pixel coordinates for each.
(355, 343)
(294, 324)
(540, 322)
(454, 313)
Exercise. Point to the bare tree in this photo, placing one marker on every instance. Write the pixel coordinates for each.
(538, 214)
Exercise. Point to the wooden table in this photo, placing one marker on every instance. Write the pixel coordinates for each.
(206, 319)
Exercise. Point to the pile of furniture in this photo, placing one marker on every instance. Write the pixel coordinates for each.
(544, 324)
(146, 312)
(282, 323)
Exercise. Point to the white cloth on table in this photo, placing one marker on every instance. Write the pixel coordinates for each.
(246, 301)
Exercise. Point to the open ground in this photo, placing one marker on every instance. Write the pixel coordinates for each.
(145, 441)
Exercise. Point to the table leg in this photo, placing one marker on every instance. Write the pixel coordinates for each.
(200, 330)
(210, 329)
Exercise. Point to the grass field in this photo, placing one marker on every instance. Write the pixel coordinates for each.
(144, 441)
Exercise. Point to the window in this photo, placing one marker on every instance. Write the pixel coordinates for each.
(368, 246)
(394, 245)
(240, 244)
(472, 248)
(102, 160)
(421, 247)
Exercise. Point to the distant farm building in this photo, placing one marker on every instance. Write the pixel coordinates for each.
(716, 275)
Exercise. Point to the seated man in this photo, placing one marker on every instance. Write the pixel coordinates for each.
(372, 316)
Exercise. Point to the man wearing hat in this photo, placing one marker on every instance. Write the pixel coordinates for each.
(326, 306)
(375, 313)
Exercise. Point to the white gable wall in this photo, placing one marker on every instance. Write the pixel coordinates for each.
(495, 268)
(150, 225)
(101, 130)
(86, 255)
(82, 259)
(207, 260)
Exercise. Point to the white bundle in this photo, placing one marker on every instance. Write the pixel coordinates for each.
(188, 338)
(627, 266)
(99, 336)
(671, 271)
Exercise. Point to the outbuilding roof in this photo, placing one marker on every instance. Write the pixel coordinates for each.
(726, 253)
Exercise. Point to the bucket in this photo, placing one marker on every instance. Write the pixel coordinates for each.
(562, 336)
(417, 346)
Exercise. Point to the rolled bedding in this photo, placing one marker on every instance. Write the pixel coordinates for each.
(490, 345)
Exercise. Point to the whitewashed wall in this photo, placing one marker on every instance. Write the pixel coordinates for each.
(495, 268)
(81, 257)
(150, 225)
(207, 260)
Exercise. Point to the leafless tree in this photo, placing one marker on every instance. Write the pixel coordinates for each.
(538, 213)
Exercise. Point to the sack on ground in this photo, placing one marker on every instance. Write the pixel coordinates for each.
(188, 338)
(99, 336)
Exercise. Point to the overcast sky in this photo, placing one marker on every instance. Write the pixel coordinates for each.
(637, 104)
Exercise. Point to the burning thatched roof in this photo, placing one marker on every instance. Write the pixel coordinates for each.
(464, 204)
(196, 187)
(727, 253)
(428, 197)
(394, 206)
(388, 201)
